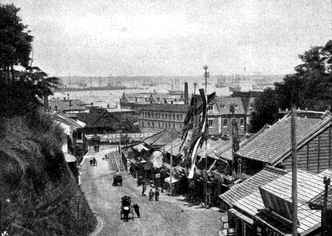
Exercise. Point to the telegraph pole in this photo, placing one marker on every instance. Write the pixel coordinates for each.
(294, 171)
(206, 75)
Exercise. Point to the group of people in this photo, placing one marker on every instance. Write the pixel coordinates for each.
(93, 161)
(152, 193)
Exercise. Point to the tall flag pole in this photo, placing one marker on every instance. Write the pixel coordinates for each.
(206, 75)
(294, 171)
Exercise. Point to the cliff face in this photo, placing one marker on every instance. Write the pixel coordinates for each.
(38, 193)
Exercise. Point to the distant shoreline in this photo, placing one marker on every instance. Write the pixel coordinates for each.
(96, 88)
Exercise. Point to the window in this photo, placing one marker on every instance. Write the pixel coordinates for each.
(210, 123)
(173, 116)
(210, 107)
(225, 122)
(241, 122)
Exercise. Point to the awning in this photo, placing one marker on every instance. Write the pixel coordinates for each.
(241, 216)
(140, 147)
(69, 157)
(174, 180)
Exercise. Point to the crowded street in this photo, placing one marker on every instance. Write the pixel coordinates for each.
(171, 215)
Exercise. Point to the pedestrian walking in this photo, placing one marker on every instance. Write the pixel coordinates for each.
(143, 189)
(156, 194)
(151, 194)
(136, 209)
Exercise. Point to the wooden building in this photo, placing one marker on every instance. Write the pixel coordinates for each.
(271, 146)
(267, 210)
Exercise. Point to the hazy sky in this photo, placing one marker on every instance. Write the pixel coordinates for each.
(164, 37)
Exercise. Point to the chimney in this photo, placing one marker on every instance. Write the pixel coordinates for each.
(186, 95)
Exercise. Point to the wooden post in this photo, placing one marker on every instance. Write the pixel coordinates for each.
(171, 171)
(327, 182)
(206, 75)
(294, 171)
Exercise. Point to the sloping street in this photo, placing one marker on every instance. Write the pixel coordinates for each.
(169, 216)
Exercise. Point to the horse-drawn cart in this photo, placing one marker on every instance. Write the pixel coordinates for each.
(126, 211)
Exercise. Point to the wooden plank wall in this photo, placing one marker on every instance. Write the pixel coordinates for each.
(316, 155)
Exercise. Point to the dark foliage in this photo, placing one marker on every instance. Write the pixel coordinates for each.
(15, 40)
(25, 93)
(309, 87)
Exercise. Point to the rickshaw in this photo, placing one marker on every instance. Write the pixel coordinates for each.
(126, 208)
(117, 180)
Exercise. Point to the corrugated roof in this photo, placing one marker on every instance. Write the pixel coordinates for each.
(274, 143)
(250, 185)
(309, 185)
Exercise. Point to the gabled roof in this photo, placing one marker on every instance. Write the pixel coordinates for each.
(309, 185)
(251, 185)
(273, 144)
(162, 138)
(101, 118)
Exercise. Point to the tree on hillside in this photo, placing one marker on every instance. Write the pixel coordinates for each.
(15, 41)
(309, 87)
(21, 91)
(266, 109)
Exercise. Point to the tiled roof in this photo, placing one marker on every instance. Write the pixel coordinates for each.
(273, 143)
(251, 185)
(309, 185)
(162, 138)
(225, 151)
(100, 118)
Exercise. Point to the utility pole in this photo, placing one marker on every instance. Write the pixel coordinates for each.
(206, 75)
(327, 182)
(294, 171)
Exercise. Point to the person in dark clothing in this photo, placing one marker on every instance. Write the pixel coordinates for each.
(143, 189)
(151, 195)
(136, 208)
(156, 195)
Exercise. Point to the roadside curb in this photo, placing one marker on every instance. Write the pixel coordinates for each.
(99, 226)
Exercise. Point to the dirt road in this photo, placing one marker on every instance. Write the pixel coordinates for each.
(170, 216)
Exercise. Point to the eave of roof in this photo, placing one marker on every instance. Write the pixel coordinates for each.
(320, 126)
(251, 184)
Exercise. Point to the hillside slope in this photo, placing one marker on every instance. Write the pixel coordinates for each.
(38, 193)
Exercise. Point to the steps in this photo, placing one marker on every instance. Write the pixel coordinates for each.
(115, 160)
